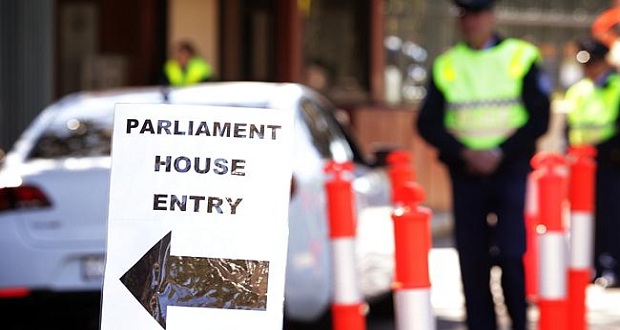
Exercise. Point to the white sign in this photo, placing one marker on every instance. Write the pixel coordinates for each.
(197, 223)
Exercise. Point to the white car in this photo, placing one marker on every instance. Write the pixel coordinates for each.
(54, 187)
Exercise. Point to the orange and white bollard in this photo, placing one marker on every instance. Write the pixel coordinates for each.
(401, 172)
(552, 296)
(581, 193)
(412, 236)
(348, 307)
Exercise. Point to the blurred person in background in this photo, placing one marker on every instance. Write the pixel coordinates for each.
(318, 76)
(592, 119)
(186, 67)
(487, 105)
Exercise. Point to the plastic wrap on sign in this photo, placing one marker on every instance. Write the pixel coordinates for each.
(159, 280)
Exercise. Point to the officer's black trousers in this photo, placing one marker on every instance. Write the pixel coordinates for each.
(490, 231)
(607, 237)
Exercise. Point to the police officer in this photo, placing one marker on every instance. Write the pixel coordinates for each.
(186, 67)
(486, 106)
(593, 120)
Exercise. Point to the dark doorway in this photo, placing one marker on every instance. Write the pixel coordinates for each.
(109, 43)
(249, 37)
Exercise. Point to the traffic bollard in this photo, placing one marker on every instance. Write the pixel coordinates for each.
(581, 193)
(413, 240)
(348, 308)
(552, 296)
(400, 171)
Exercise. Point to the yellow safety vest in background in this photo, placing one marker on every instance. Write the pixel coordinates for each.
(197, 70)
(592, 111)
(482, 89)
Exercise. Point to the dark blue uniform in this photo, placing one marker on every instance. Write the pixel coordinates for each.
(489, 210)
(607, 209)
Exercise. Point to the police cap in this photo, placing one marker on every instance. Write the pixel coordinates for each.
(474, 5)
(591, 50)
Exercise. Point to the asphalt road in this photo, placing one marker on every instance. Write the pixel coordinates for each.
(82, 314)
(50, 312)
(603, 305)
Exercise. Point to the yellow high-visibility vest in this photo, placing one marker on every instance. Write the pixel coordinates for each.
(482, 89)
(197, 70)
(593, 111)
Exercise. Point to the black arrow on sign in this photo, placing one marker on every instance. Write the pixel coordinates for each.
(159, 280)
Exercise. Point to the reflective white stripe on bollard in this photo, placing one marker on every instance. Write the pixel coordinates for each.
(414, 310)
(552, 266)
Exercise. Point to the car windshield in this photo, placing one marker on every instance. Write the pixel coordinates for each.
(332, 139)
(83, 128)
(326, 136)
(80, 130)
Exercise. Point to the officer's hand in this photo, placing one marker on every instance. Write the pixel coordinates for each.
(482, 162)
